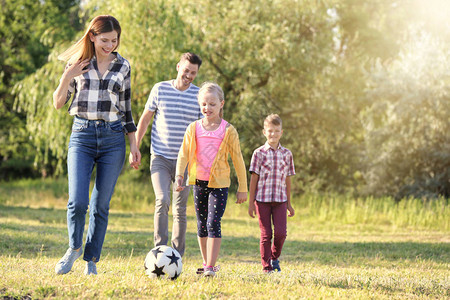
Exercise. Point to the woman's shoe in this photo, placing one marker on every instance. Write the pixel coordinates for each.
(65, 264)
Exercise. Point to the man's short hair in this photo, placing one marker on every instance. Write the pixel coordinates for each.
(192, 58)
(273, 119)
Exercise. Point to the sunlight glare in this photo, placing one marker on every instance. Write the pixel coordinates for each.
(435, 13)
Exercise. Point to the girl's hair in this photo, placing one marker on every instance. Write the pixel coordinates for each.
(84, 48)
(211, 87)
(273, 119)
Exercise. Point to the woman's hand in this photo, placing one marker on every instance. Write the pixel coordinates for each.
(135, 157)
(76, 69)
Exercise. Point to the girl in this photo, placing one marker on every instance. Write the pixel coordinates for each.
(206, 145)
(99, 78)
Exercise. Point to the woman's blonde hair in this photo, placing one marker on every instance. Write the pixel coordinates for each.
(84, 48)
(211, 87)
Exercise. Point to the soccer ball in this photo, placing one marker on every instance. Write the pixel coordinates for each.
(163, 262)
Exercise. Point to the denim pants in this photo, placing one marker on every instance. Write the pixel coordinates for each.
(92, 143)
(163, 176)
(269, 212)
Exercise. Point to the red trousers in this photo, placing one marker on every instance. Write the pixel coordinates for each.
(269, 212)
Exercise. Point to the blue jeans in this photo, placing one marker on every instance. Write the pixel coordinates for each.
(92, 143)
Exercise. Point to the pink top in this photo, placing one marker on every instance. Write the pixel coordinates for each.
(208, 143)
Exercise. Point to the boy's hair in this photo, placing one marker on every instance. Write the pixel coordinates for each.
(192, 58)
(273, 119)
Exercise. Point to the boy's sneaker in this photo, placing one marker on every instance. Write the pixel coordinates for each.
(65, 264)
(91, 268)
(276, 265)
(209, 272)
(267, 270)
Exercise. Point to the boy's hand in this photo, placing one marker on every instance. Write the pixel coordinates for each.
(252, 208)
(241, 197)
(291, 211)
(179, 182)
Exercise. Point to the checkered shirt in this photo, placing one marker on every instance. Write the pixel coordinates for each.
(103, 98)
(272, 166)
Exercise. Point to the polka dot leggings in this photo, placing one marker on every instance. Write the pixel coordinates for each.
(209, 206)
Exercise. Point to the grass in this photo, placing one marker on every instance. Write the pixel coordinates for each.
(337, 247)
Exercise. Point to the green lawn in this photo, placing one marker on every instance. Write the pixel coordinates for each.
(337, 247)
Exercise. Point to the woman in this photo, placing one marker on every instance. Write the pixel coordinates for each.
(99, 78)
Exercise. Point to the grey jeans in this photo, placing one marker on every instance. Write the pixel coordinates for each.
(163, 176)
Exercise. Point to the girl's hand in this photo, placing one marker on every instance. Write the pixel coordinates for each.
(291, 211)
(241, 197)
(78, 68)
(179, 182)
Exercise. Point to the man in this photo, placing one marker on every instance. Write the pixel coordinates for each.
(174, 105)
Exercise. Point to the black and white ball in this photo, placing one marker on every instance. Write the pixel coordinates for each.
(163, 262)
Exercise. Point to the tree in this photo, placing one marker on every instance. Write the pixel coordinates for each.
(308, 61)
(407, 127)
(28, 30)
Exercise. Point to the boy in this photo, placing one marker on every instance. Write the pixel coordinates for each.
(270, 192)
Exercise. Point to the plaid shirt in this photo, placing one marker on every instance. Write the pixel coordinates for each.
(103, 98)
(272, 166)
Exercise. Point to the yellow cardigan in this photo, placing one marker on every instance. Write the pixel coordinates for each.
(220, 169)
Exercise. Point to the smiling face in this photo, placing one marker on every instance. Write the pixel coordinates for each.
(210, 105)
(273, 134)
(104, 43)
(187, 72)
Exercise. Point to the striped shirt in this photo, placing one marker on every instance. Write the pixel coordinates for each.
(106, 97)
(174, 111)
(272, 166)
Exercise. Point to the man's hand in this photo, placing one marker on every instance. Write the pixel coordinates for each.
(179, 182)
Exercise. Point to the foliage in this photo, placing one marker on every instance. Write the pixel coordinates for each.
(407, 127)
(28, 30)
(309, 61)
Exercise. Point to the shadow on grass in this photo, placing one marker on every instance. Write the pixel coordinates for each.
(339, 253)
(42, 231)
(48, 236)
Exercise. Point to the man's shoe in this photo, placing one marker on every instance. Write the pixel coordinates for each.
(66, 262)
(91, 268)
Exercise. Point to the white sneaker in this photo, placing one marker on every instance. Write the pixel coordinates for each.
(209, 272)
(65, 264)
